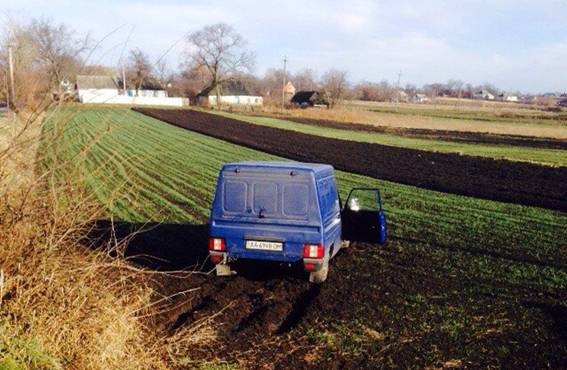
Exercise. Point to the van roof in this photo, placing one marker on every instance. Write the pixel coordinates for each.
(317, 168)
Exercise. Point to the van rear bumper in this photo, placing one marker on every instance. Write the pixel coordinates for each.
(313, 264)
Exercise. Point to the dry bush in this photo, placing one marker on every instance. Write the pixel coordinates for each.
(63, 305)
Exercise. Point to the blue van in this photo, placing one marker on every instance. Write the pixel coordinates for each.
(288, 212)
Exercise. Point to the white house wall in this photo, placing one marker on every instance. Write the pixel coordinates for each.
(112, 96)
(237, 100)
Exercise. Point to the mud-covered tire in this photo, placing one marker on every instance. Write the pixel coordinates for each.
(317, 277)
(345, 244)
(223, 270)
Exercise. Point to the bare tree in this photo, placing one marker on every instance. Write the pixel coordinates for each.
(221, 51)
(45, 55)
(58, 50)
(162, 74)
(305, 80)
(138, 69)
(455, 88)
(335, 84)
(271, 85)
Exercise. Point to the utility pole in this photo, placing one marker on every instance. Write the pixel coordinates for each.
(7, 90)
(123, 79)
(283, 81)
(11, 67)
(398, 90)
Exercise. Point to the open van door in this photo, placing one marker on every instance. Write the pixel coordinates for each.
(363, 219)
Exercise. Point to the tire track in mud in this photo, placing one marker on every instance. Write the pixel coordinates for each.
(251, 307)
(500, 180)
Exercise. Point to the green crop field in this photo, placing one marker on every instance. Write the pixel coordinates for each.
(554, 157)
(516, 117)
(143, 170)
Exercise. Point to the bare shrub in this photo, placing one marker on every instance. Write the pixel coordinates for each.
(62, 304)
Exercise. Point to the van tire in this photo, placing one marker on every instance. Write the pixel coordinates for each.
(223, 270)
(317, 277)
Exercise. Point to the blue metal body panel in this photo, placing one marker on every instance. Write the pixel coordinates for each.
(288, 202)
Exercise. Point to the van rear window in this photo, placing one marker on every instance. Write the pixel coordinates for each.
(276, 200)
(295, 199)
(234, 196)
(265, 198)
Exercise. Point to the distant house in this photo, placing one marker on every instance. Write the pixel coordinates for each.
(108, 90)
(3, 106)
(402, 96)
(419, 98)
(562, 103)
(232, 92)
(549, 95)
(289, 90)
(484, 95)
(97, 89)
(508, 98)
(305, 99)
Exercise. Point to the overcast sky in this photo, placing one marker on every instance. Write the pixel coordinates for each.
(514, 44)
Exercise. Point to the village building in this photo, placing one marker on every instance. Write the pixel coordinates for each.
(289, 90)
(401, 96)
(419, 98)
(232, 92)
(305, 99)
(483, 95)
(108, 90)
(508, 98)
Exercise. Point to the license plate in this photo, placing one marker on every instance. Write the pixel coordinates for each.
(264, 246)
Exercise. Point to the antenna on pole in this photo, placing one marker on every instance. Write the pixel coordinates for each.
(283, 81)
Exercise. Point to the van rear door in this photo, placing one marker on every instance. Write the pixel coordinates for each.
(267, 214)
(363, 218)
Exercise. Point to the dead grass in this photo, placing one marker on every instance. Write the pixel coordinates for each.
(63, 305)
(359, 112)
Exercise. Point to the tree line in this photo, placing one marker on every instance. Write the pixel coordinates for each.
(47, 56)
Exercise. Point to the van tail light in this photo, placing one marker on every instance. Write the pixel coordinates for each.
(313, 251)
(217, 245)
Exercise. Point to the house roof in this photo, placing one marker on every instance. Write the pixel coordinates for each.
(96, 82)
(303, 96)
(227, 88)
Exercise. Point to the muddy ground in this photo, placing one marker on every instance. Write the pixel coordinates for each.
(501, 180)
(382, 307)
(446, 135)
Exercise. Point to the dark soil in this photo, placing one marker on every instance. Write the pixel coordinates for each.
(501, 180)
(447, 135)
(381, 307)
